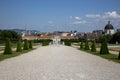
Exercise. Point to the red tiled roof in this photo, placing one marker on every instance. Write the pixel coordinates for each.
(29, 37)
(45, 37)
(67, 37)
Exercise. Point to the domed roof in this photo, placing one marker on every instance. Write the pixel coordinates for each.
(109, 26)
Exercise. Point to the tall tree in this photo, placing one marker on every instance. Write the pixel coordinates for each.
(7, 49)
(104, 47)
(19, 46)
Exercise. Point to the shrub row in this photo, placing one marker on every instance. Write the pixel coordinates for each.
(103, 50)
(8, 49)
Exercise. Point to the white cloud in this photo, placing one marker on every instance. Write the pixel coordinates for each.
(79, 22)
(93, 15)
(106, 15)
(50, 22)
(112, 14)
(77, 18)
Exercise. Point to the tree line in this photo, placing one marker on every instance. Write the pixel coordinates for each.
(12, 35)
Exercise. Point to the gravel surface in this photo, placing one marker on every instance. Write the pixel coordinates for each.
(58, 63)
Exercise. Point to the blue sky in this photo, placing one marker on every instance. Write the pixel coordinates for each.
(62, 15)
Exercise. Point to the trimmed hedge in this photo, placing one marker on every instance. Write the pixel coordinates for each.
(67, 43)
(8, 49)
(19, 46)
(86, 45)
(26, 47)
(30, 44)
(104, 47)
(93, 46)
(81, 45)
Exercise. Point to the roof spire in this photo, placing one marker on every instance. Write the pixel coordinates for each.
(108, 22)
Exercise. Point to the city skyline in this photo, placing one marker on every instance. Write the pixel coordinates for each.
(59, 15)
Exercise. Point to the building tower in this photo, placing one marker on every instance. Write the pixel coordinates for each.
(109, 29)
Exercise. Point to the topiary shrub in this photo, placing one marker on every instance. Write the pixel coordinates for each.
(7, 49)
(30, 44)
(81, 45)
(26, 47)
(86, 45)
(93, 46)
(104, 47)
(19, 46)
(119, 55)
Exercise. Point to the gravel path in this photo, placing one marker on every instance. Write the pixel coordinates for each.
(58, 63)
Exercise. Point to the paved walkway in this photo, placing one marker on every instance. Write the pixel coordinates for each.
(58, 63)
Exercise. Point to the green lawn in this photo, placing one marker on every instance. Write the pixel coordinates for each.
(2, 56)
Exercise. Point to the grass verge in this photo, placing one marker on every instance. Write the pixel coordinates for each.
(14, 54)
(110, 57)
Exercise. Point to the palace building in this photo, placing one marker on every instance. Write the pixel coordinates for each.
(109, 29)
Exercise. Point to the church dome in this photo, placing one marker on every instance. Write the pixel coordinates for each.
(109, 26)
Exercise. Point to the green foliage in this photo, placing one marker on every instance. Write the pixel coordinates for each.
(119, 55)
(30, 44)
(26, 47)
(93, 46)
(45, 42)
(67, 43)
(12, 35)
(7, 49)
(19, 46)
(86, 45)
(104, 47)
(116, 37)
(81, 45)
(14, 54)
(71, 40)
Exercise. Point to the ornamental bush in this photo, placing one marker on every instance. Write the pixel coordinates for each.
(19, 46)
(30, 44)
(86, 45)
(93, 46)
(104, 47)
(26, 47)
(7, 49)
(81, 45)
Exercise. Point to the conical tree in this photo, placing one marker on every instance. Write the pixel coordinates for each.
(19, 46)
(26, 47)
(104, 47)
(7, 49)
(86, 45)
(30, 44)
(119, 55)
(93, 46)
(81, 45)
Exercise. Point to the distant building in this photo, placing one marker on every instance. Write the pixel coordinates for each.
(98, 32)
(109, 29)
(29, 37)
(118, 30)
